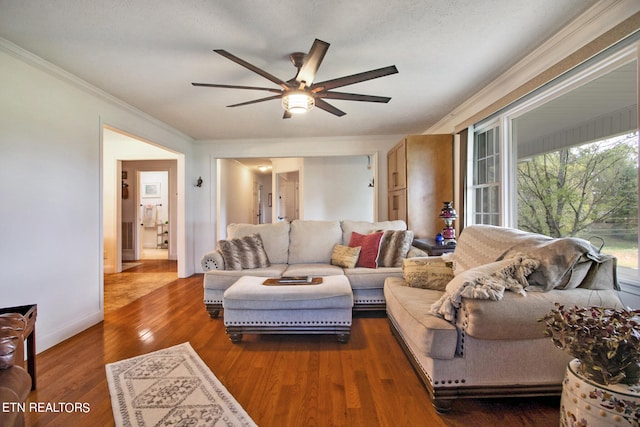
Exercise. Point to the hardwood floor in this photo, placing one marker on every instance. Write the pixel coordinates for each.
(281, 380)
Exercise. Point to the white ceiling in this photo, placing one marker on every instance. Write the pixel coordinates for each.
(147, 53)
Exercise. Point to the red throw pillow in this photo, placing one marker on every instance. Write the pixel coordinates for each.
(370, 244)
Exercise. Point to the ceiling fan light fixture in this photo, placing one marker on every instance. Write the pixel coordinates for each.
(297, 102)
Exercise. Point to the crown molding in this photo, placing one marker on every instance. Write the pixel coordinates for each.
(600, 18)
(25, 56)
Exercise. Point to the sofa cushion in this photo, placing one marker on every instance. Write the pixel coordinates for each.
(313, 269)
(371, 278)
(313, 241)
(275, 238)
(516, 317)
(370, 248)
(394, 246)
(222, 279)
(367, 227)
(409, 309)
(487, 281)
(344, 256)
(244, 253)
(482, 244)
(427, 272)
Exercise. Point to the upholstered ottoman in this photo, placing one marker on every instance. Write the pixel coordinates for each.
(253, 307)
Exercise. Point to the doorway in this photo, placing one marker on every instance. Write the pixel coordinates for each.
(287, 195)
(124, 156)
(153, 215)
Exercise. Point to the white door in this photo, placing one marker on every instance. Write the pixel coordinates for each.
(287, 196)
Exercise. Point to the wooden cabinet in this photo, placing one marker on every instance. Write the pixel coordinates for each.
(420, 179)
(398, 205)
(397, 168)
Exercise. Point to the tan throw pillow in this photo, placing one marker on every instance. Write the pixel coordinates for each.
(427, 273)
(345, 256)
(244, 252)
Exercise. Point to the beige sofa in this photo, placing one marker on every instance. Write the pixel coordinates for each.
(302, 248)
(468, 346)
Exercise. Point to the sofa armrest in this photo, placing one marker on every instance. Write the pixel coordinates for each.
(212, 261)
(415, 252)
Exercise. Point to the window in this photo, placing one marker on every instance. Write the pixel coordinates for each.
(486, 177)
(588, 191)
(569, 159)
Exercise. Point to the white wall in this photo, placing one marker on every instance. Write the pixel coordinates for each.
(338, 188)
(50, 190)
(236, 200)
(207, 152)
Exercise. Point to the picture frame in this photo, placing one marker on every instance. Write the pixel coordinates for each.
(151, 190)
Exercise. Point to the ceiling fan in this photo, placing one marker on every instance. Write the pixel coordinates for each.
(300, 94)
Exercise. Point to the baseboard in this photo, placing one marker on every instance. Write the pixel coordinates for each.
(44, 342)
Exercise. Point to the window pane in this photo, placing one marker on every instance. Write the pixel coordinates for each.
(585, 191)
(491, 168)
(482, 146)
(490, 143)
(485, 172)
(494, 200)
(482, 172)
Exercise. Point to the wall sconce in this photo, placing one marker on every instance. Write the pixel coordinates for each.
(199, 182)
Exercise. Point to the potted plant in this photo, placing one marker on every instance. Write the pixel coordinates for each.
(602, 383)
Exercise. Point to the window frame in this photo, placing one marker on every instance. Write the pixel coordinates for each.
(598, 66)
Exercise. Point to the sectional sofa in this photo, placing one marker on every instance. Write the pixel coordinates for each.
(478, 334)
(306, 247)
(467, 321)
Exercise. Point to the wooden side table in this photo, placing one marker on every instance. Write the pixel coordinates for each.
(432, 248)
(29, 313)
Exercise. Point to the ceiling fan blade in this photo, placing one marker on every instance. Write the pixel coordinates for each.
(255, 101)
(251, 67)
(354, 78)
(286, 115)
(269, 89)
(312, 62)
(323, 105)
(352, 97)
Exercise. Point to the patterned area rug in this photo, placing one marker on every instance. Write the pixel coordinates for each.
(171, 387)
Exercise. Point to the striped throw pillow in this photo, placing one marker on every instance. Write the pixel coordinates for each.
(244, 253)
(394, 247)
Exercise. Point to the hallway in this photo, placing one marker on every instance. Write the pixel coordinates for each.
(142, 278)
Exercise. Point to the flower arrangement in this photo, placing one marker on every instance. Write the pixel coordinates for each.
(606, 341)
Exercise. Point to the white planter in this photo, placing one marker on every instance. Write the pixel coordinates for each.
(585, 403)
